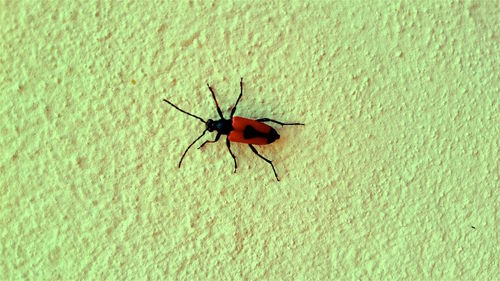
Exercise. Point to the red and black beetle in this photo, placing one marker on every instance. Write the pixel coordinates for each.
(237, 129)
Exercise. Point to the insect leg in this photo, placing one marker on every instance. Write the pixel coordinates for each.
(215, 140)
(278, 122)
(239, 97)
(265, 159)
(228, 144)
(216, 103)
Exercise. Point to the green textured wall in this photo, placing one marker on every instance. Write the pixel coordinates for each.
(394, 176)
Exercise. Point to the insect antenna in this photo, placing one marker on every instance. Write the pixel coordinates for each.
(190, 114)
(180, 162)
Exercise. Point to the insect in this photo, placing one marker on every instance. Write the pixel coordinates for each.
(237, 129)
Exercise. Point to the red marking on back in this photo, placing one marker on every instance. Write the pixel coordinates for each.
(237, 136)
(239, 125)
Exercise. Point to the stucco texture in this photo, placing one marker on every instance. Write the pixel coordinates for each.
(395, 175)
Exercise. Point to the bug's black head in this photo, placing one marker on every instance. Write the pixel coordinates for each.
(211, 126)
(222, 126)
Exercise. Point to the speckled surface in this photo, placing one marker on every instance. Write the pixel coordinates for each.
(394, 177)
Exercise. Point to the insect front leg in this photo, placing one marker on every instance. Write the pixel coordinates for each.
(215, 140)
(239, 97)
(216, 103)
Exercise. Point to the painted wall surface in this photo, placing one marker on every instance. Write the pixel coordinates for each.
(394, 177)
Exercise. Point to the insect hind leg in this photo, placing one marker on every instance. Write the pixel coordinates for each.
(278, 122)
(265, 159)
(228, 144)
